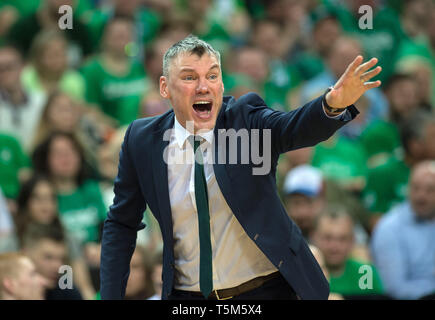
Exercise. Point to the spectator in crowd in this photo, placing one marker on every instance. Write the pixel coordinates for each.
(387, 182)
(8, 16)
(140, 283)
(325, 31)
(381, 138)
(321, 261)
(108, 157)
(114, 82)
(415, 17)
(48, 69)
(306, 194)
(292, 18)
(153, 105)
(420, 68)
(8, 240)
(14, 164)
(146, 21)
(292, 159)
(20, 109)
(334, 235)
(341, 53)
(403, 242)
(303, 187)
(19, 279)
(380, 36)
(46, 17)
(343, 161)
(46, 247)
(65, 114)
(282, 78)
(60, 113)
(416, 54)
(37, 205)
(81, 206)
(154, 58)
(250, 62)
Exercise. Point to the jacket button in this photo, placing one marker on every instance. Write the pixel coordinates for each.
(280, 264)
(256, 237)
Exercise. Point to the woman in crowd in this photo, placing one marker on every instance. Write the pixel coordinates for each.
(48, 69)
(82, 211)
(65, 114)
(37, 204)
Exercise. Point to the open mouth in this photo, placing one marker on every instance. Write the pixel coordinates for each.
(203, 109)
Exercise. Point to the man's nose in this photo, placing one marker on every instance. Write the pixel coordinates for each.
(202, 87)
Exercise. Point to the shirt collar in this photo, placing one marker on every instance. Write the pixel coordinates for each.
(181, 134)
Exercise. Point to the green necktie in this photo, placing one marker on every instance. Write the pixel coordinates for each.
(205, 253)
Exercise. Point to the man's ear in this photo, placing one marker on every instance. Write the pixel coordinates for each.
(163, 84)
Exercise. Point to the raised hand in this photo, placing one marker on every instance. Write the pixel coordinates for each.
(353, 83)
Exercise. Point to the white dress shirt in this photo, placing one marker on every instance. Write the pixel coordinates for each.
(22, 121)
(235, 257)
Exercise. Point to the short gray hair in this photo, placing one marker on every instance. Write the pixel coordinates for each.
(191, 44)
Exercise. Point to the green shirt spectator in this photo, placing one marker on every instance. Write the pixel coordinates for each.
(357, 279)
(12, 160)
(117, 95)
(83, 211)
(24, 31)
(386, 185)
(146, 23)
(343, 161)
(382, 40)
(281, 81)
(415, 53)
(114, 81)
(380, 140)
(71, 82)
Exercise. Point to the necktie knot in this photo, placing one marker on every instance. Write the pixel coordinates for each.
(195, 141)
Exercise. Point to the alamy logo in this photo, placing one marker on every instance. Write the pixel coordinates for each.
(234, 147)
(366, 280)
(366, 20)
(66, 280)
(66, 20)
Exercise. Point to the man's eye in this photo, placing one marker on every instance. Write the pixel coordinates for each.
(213, 76)
(188, 77)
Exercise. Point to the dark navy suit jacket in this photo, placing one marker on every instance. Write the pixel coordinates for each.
(143, 181)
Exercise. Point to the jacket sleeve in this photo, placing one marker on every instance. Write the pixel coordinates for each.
(303, 127)
(121, 226)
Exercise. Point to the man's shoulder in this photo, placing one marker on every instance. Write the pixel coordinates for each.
(242, 107)
(248, 99)
(150, 124)
(392, 222)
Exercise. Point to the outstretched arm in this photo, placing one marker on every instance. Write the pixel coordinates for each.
(313, 123)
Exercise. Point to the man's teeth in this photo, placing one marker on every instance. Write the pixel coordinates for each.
(202, 102)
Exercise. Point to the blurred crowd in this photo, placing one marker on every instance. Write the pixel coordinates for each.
(364, 199)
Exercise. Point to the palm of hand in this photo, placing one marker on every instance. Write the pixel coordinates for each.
(353, 83)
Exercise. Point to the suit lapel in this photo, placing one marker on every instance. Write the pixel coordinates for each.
(220, 168)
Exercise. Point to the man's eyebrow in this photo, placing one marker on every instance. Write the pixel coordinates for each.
(187, 69)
